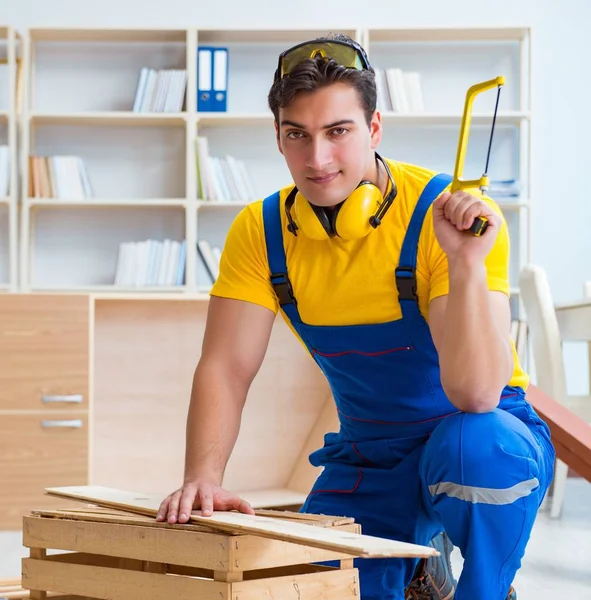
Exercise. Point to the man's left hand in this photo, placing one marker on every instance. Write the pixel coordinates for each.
(453, 215)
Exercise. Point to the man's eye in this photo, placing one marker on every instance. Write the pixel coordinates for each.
(294, 135)
(339, 131)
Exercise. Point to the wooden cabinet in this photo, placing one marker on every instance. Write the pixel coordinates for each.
(95, 390)
(44, 351)
(38, 451)
(44, 399)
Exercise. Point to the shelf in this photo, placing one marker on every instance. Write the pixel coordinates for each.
(64, 34)
(236, 119)
(476, 34)
(4, 115)
(503, 118)
(5, 200)
(222, 203)
(106, 202)
(514, 206)
(109, 117)
(141, 295)
(263, 36)
(232, 119)
(115, 291)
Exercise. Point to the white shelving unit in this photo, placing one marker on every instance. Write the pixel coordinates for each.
(79, 90)
(449, 62)
(9, 68)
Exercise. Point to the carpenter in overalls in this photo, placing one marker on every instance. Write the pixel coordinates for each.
(359, 278)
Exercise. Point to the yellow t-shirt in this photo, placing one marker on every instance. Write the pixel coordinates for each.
(340, 282)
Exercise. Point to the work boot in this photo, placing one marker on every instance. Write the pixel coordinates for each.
(433, 578)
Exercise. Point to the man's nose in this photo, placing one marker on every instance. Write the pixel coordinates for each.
(320, 154)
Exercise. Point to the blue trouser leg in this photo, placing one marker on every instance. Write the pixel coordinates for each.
(484, 477)
(386, 501)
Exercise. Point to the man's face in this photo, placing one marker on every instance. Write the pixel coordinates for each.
(327, 143)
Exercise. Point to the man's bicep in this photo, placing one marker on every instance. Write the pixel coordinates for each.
(237, 336)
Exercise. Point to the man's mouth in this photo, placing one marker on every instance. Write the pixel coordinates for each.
(323, 179)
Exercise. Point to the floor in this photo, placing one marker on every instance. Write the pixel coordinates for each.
(557, 565)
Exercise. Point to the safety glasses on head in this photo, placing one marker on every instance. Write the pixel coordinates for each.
(346, 53)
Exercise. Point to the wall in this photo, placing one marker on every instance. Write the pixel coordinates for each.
(561, 125)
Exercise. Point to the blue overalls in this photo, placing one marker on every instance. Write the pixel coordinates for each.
(406, 464)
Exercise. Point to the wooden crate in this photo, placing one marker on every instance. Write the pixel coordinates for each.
(114, 555)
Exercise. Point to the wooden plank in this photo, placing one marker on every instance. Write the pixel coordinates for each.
(128, 519)
(249, 552)
(110, 515)
(122, 518)
(116, 584)
(192, 549)
(321, 520)
(272, 498)
(571, 435)
(299, 533)
(329, 585)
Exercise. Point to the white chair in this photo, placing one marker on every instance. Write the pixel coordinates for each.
(587, 294)
(546, 346)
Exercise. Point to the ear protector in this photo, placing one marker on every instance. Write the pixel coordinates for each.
(352, 219)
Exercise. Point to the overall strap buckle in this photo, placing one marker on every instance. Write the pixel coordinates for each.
(406, 282)
(282, 286)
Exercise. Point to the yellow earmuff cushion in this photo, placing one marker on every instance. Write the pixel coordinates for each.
(352, 222)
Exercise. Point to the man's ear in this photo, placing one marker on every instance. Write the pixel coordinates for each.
(375, 129)
(277, 137)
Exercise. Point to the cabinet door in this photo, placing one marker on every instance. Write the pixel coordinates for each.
(44, 351)
(37, 451)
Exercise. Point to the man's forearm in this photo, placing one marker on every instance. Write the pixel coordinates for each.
(476, 360)
(213, 422)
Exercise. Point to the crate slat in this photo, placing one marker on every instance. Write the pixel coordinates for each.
(116, 584)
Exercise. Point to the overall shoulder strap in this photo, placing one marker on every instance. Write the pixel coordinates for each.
(276, 256)
(406, 280)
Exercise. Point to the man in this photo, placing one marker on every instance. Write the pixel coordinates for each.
(407, 314)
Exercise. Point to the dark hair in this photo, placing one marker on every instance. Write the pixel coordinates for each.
(315, 73)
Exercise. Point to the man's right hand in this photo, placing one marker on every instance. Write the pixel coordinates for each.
(201, 493)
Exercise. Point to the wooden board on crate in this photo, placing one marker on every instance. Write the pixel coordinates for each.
(354, 544)
(110, 554)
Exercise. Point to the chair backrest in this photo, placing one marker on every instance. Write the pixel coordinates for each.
(543, 332)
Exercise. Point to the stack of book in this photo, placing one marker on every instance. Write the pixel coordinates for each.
(151, 263)
(399, 91)
(210, 257)
(223, 178)
(160, 90)
(504, 188)
(60, 177)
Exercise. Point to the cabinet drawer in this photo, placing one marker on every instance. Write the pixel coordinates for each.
(37, 451)
(44, 351)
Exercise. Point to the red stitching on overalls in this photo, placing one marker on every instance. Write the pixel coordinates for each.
(397, 422)
(361, 455)
(342, 491)
(509, 396)
(335, 354)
